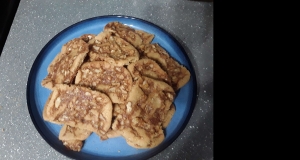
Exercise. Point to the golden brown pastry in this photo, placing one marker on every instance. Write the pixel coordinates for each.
(178, 73)
(63, 69)
(149, 68)
(113, 49)
(134, 37)
(79, 107)
(73, 137)
(147, 111)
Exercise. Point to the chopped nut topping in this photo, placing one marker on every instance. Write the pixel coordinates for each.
(57, 102)
(96, 47)
(128, 107)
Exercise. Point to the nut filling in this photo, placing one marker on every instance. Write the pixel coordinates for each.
(63, 68)
(147, 112)
(134, 37)
(79, 107)
(148, 68)
(112, 49)
(113, 80)
(88, 38)
(178, 73)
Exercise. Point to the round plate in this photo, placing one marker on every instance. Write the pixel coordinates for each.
(114, 148)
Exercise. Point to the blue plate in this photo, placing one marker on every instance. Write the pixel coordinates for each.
(114, 148)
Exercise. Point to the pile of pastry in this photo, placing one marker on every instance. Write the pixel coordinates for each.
(116, 83)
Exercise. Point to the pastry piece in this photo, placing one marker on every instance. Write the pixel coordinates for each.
(110, 134)
(73, 137)
(149, 68)
(79, 107)
(74, 145)
(63, 69)
(115, 81)
(178, 73)
(140, 120)
(143, 134)
(168, 116)
(134, 37)
(160, 97)
(73, 133)
(113, 49)
(146, 37)
(149, 86)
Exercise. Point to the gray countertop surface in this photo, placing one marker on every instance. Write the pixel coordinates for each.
(36, 22)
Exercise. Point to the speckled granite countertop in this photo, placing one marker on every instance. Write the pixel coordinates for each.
(36, 22)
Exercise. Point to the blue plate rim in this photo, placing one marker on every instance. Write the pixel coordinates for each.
(149, 155)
